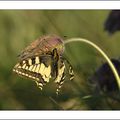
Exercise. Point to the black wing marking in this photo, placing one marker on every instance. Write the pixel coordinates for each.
(60, 79)
(61, 76)
(38, 69)
(71, 72)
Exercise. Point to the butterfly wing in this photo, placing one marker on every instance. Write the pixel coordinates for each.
(37, 68)
(60, 78)
(62, 71)
(71, 73)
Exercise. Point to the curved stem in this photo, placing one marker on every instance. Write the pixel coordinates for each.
(101, 52)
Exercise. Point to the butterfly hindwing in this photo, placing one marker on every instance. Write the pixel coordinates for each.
(70, 68)
(61, 75)
(62, 72)
(71, 73)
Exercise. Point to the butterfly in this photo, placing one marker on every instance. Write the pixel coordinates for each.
(43, 60)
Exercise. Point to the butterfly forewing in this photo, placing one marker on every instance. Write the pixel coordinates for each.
(37, 68)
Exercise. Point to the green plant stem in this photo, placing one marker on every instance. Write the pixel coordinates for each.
(101, 52)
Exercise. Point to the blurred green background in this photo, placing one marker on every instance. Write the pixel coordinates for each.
(18, 28)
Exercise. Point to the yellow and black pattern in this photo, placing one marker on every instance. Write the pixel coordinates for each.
(44, 67)
(71, 72)
(37, 68)
(60, 78)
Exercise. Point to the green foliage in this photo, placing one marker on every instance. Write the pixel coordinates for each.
(19, 28)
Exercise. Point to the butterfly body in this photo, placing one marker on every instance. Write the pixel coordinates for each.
(41, 67)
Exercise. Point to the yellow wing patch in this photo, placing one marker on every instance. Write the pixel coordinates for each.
(46, 74)
(23, 67)
(30, 62)
(37, 61)
(60, 73)
(42, 67)
(37, 68)
(28, 69)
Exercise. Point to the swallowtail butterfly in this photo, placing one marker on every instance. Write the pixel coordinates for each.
(43, 60)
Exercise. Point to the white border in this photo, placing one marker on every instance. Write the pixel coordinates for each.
(59, 5)
(60, 115)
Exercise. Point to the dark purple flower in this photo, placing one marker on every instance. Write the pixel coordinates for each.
(112, 23)
(104, 77)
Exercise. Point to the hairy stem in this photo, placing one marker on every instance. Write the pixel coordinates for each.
(101, 52)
